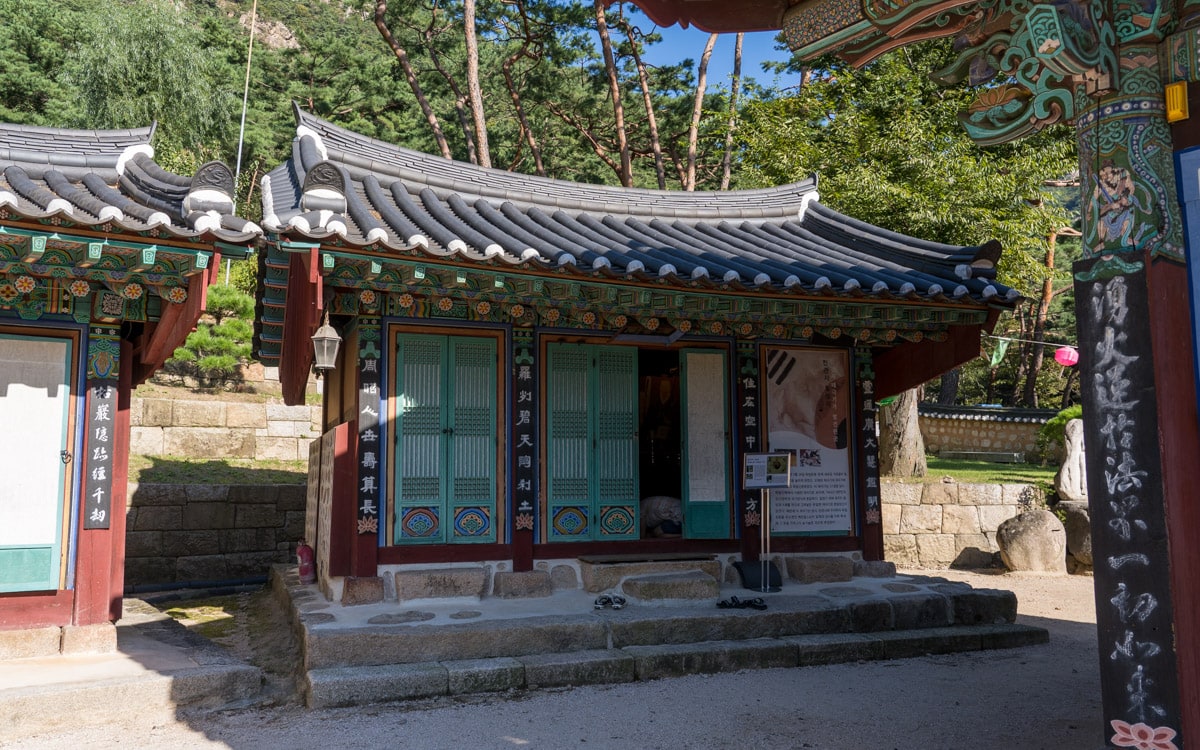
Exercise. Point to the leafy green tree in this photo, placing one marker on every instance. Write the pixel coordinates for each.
(213, 353)
(35, 38)
(888, 148)
(142, 62)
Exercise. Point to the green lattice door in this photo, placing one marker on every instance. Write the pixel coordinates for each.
(592, 451)
(446, 438)
(35, 447)
(706, 450)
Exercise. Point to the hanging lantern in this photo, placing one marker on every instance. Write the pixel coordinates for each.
(1067, 356)
(325, 346)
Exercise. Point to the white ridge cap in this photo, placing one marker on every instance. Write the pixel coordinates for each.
(666, 269)
(378, 234)
(301, 223)
(700, 272)
(962, 271)
(60, 204)
(419, 240)
(601, 262)
(907, 288)
(634, 266)
(762, 279)
(823, 283)
(303, 130)
(879, 286)
(852, 284)
(132, 151)
(791, 281)
(731, 276)
(158, 217)
(529, 253)
(456, 246)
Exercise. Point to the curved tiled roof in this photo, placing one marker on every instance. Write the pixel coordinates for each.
(99, 177)
(343, 187)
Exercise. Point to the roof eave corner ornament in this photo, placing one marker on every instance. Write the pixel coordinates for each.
(212, 189)
(324, 188)
(1048, 54)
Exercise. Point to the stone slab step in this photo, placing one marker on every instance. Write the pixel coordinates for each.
(343, 686)
(689, 584)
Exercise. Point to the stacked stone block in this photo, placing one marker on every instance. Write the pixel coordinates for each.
(218, 429)
(210, 533)
(946, 524)
(987, 436)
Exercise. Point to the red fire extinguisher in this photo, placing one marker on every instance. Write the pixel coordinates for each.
(307, 566)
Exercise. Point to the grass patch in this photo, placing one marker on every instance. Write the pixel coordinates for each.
(172, 470)
(985, 472)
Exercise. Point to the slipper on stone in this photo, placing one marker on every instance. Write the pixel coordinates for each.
(618, 601)
(602, 602)
(725, 604)
(755, 603)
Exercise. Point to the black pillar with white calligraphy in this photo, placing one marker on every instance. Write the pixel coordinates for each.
(1139, 679)
(524, 442)
(100, 442)
(749, 414)
(369, 439)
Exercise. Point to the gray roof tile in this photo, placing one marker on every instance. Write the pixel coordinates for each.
(73, 174)
(782, 235)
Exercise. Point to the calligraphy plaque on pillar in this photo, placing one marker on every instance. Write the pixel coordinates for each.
(1139, 681)
(97, 498)
(749, 418)
(369, 439)
(524, 430)
(868, 442)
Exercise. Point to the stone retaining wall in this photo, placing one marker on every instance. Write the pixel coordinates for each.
(946, 524)
(198, 533)
(942, 435)
(222, 429)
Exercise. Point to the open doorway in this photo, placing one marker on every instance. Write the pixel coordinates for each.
(660, 443)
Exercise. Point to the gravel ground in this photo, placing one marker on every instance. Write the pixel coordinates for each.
(1038, 697)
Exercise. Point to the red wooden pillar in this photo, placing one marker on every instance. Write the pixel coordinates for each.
(1179, 443)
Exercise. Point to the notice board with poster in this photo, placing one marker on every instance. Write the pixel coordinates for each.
(808, 416)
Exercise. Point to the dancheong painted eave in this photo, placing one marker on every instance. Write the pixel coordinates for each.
(108, 181)
(346, 190)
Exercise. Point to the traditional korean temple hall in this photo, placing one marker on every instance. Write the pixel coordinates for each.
(539, 380)
(105, 261)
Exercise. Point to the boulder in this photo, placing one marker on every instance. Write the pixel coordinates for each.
(1034, 541)
(1071, 480)
(1078, 524)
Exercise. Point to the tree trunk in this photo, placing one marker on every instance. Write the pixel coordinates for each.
(697, 108)
(1039, 325)
(518, 105)
(734, 85)
(648, 101)
(411, 77)
(473, 90)
(625, 174)
(460, 97)
(948, 392)
(901, 447)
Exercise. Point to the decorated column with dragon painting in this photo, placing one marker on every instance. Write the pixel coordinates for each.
(1096, 64)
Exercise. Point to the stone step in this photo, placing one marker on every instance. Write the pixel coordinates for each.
(606, 573)
(343, 686)
(690, 584)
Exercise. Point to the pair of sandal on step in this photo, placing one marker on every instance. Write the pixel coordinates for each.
(616, 601)
(734, 603)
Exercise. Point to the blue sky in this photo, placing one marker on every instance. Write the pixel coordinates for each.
(679, 43)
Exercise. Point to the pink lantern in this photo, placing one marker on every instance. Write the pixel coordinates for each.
(1066, 356)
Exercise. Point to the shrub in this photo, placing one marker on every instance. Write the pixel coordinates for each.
(212, 354)
(1052, 434)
